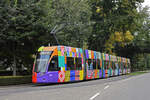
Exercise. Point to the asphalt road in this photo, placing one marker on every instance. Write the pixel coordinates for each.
(115, 88)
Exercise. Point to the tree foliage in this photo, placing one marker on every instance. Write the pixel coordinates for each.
(118, 27)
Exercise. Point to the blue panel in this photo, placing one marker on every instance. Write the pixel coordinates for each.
(95, 56)
(72, 75)
(103, 73)
(68, 53)
(73, 54)
(65, 66)
(108, 72)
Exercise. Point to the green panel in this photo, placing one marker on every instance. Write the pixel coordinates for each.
(40, 49)
(61, 60)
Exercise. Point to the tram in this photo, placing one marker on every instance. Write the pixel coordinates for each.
(57, 64)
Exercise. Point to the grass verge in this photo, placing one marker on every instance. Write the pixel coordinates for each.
(137, 73)
(14, 80)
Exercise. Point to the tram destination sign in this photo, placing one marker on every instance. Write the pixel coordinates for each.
(45, 53)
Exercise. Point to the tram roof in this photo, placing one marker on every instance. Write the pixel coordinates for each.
(112, 57)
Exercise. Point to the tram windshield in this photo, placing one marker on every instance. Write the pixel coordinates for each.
(42, 61)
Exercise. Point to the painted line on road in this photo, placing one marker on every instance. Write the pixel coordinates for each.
(106, 87)
(98, 93)
(94, 96)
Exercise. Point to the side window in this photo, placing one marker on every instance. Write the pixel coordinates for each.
(98, 64)
(110, 64)
(119, 65)
(70, 63)
(113, 65)
(105, 64)
(123, 65)
(94, 64)
(53, 66)
(116, 65)
(90, 64)
(78, 63)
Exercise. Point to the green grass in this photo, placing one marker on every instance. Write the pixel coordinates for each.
(14, 80)
(137, 73)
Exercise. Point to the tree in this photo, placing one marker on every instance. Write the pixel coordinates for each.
(115, 20)
(28, 24)
(20, 25)
(70, 19)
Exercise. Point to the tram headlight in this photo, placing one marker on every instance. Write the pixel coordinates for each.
(41, 74)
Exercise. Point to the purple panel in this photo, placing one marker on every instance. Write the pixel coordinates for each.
(87, 55)
(100, 73)
(79, 54)
(48, 77)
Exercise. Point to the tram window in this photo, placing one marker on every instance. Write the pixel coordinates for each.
(113, 65)
(94, 64)
(105, 64)
(119, 65)
(116, 65)
(90, 64)
(129, 66)
(124, 65)
(53, 66)
(70, 63)
(98, 64)
(110, 64)
(78, 63)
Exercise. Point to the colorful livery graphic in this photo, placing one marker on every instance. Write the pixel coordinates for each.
(66, 64)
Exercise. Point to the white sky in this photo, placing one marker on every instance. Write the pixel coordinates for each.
(146, 3)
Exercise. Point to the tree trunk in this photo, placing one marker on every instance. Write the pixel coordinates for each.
(14, 66)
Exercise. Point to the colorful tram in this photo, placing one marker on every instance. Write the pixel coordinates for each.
(66, 64)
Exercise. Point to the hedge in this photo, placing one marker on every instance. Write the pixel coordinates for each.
(14, 80)
(9, 73)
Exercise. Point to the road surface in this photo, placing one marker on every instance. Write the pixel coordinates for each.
(115, 88)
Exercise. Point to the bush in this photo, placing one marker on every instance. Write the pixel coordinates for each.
(9, 73)
(5, 73)
(14, 80)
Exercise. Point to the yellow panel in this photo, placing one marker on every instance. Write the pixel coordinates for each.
(70, 54)
(89, 51)
(59, 53)
(67, 76)
(97, 73)
(81, 74)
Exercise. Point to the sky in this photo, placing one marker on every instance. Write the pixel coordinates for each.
(146, 3)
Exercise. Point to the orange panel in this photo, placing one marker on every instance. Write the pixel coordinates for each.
(65, 60)
(100, 63)
(55, 52)
(49, 48)
(92, 54)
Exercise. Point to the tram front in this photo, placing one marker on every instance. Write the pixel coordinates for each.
(44, 65)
